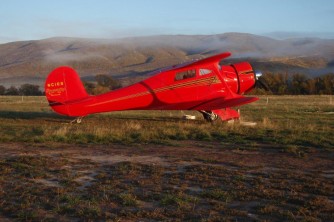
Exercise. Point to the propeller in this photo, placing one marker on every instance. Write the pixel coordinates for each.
(260, 81)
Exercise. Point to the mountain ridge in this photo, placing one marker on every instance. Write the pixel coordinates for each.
(31, 61)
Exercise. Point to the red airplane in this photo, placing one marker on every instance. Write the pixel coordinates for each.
(201, 85)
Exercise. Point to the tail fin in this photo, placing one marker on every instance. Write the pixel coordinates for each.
(63, 87)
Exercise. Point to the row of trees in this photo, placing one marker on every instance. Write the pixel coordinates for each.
(103, 84)
(298, 84)
(24, 90)
(279, 84)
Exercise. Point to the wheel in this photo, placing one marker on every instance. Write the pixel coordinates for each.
(78, 120)
(209, 116)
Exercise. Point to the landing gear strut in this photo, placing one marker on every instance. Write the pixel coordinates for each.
(209, 115)
(77, 120)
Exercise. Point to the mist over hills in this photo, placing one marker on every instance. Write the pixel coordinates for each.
(131, 59)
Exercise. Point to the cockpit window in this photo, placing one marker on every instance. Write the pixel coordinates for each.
(203, 72)
(185, 74)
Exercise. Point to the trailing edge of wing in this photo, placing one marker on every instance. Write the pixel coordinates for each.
(220, 103)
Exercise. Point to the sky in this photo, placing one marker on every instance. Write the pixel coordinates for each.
(108, 19)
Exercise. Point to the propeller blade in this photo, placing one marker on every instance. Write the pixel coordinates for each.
(263, 83)
(260, 81)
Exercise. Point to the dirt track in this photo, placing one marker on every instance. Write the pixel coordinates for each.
(189, 181)
(192, 152)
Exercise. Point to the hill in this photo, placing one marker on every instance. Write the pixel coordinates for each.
(132, 58)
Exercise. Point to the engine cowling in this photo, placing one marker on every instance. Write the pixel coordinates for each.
(239, 77)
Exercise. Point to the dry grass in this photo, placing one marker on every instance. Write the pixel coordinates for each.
(159, 183)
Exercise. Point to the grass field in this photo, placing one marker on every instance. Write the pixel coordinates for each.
(298, 121)
(154, 166)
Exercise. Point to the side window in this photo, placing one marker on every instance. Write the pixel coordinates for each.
(203, 72)
(185, 74)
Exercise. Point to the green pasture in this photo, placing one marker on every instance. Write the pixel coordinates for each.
(297, 122)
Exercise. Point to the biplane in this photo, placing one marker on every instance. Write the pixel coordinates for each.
(203, 85)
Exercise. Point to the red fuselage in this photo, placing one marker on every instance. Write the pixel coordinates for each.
(201, 85)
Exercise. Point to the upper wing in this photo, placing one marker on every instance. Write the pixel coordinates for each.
(212, 59)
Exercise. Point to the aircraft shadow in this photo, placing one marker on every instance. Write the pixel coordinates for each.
(153, 119)
(32, 115)
(53, 117)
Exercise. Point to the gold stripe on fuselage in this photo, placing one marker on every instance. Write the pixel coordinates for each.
(197, 82)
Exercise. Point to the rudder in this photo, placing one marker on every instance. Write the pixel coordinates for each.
(62, 87)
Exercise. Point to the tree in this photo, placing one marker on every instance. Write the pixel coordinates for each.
(328, 84)
(298, 84)
(2, 90)
(12, 91)
(89, 86)
(312, 86)
(30, 90)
